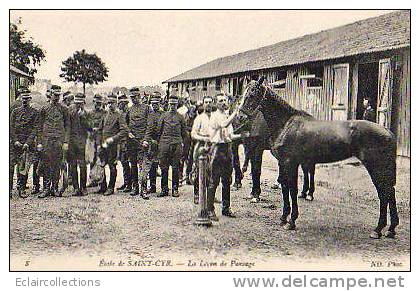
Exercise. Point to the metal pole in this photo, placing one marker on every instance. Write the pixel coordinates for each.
(203, 214)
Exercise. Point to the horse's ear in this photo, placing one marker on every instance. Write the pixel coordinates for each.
(260, 80)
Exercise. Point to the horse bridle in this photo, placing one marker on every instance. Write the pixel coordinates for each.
(246, 112)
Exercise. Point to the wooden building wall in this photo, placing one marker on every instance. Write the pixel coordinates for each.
(404, 118)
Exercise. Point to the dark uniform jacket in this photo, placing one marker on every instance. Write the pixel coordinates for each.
(171, 128)
(137, 120)
(95, 118)
(54, 123)
(22, 125)
(369, 114)
(113, 125)
(79, 126)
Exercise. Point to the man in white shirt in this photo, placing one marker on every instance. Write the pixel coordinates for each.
(200, 134)
(221, 135)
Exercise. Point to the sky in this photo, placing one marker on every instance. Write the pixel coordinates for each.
(148, 47)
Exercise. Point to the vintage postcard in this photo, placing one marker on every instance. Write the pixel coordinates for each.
(219, 140)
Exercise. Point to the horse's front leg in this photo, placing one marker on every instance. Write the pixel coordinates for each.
(293, 186)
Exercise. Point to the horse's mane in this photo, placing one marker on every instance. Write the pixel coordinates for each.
(270, 94)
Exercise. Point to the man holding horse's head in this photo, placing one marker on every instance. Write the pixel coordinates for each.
(221, 135)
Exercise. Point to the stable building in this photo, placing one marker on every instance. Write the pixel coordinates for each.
(326, 74)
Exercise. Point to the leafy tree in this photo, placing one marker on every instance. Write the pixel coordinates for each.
(24, 53)
(84, 68)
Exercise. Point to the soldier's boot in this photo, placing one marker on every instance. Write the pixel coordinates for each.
(112, 180)
(46, 189)
(109, 191)
(22, 186)
(55, 191)
(135, 191)
(129, 188)
(143, 191)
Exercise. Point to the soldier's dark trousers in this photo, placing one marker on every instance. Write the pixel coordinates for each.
(170, 155)
(77, 158)
(236, 162)
(125, 163)
(220, 170)
(184, 159)
(110, 160)
(152, 175)
(35, 176)
(53, 159)
(135, 154)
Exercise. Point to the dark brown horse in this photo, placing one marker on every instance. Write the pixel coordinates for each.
(299, 139)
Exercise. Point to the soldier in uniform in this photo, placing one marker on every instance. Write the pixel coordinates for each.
(22, 135)
(53, 138)
(79, 126)
(137, 122)
(95, 119)
(123, 152)
(150, 162)
(68, 99)
(369, 113)
(113, 127)
(171, 133)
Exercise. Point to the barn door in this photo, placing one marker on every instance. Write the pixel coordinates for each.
(340, 98)
(384, 93)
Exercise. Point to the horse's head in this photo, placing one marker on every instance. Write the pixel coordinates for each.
(253, 95)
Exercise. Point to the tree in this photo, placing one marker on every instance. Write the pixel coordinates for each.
(24, 53)
(84, 68)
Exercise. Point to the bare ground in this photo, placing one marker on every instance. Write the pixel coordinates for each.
(333, 230)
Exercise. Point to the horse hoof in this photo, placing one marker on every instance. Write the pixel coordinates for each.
(283, 222)
(390, 234)
(309, 198)
(375, 235)
(303, 196)
(289, 226)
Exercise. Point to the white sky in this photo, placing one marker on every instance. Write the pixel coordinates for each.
(148, 47)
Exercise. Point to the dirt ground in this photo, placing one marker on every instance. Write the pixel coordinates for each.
(97, 232)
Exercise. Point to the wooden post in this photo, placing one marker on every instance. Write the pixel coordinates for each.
(203, 214)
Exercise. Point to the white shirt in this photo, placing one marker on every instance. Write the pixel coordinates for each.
(201, 125)
(217, 132)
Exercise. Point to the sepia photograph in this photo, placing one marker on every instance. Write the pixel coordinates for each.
(209, 140)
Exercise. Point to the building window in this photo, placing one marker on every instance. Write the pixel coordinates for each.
(317, 77)
(218, 84)
(204, 88)
(280, 79)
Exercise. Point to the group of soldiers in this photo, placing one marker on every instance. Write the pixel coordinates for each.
(154, 132)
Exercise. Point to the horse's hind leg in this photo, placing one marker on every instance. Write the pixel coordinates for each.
(310, 196)
(293, 186)
(384, 186)
(305, 188)
(393, 212)
(285, 194)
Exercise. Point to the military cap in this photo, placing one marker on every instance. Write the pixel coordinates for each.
(79, 98)
(68, 95)
(112, 98)
(173, 99)
(156, 97)
(98, 98)
(135, 91)
(55, 89)
(24, 93)
(122, 98)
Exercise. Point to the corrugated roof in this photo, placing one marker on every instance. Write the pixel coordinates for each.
(385, 32)
(18, 71)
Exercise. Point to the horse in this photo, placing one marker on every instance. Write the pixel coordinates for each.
(299, 138)
(255, 145)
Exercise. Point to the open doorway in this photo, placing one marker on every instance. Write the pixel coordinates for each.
(367, 86)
